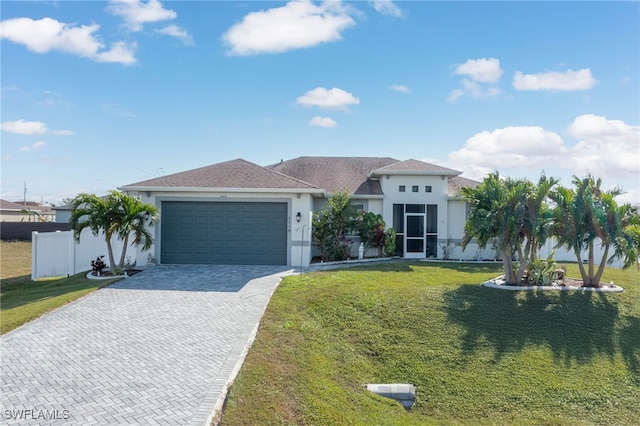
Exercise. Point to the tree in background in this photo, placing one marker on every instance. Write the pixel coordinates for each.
(118, 214)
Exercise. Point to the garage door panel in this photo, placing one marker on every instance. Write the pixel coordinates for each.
(224, 232)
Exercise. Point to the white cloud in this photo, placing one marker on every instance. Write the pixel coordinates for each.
(481, 70)
(296, 25)
(556, 81)
(481, 76)
(514, 146)
(23, 127)
(44, 35)
(36, 145)
(11, 88)
(455, 94)
(333, 98)
(608, 147)
(120, 52)
(629, 196)
(117, 110)
(387, 7)
(323, 122)
(400, 88)
(135, 13)
(177, 32)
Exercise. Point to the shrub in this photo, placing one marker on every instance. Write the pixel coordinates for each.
(98, 265)
(331, 225)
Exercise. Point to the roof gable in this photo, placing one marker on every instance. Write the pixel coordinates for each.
(237, 173)
(337, 173)
(456, 183)
(414, 167)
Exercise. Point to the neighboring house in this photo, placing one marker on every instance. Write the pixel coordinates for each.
(237, 212)
(63, 213)
(28, 211)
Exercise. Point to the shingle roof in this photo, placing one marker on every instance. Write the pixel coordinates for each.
(10, 205)
(457, 182)
(237, 173)
(337, 173)
(21, 205)
(415, 166)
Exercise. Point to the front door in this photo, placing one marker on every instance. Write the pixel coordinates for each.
(414, 244)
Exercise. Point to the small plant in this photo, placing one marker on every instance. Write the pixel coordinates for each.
(478, 256)
(372, 234)
(542, 271)
(128, 265)
(390, 242)
(448, 247)
(98, 265)
(117, 271)
(151, 260)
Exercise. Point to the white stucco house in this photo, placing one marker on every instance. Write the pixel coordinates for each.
(237, 212)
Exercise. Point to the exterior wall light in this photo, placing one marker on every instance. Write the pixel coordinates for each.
(298, 217)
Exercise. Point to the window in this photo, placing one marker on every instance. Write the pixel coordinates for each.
(432, 218)
(427, 188)
(415, 208)
(358, 207)
(414, 188)
(401, 188)
(398, 218)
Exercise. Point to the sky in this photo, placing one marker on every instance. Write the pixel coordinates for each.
(101, 94)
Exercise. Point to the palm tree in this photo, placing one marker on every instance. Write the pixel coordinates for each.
(497, 213)
(586, 215)
(539, 219)
(118, 214)
(132, 221)
(512, 212)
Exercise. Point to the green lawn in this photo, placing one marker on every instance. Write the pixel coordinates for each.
(23, 300)
(476, 355)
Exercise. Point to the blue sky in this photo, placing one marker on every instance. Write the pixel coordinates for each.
(97, 94)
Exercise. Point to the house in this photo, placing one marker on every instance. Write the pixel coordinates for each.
(237, 212)
(25, 211)
(63, 213)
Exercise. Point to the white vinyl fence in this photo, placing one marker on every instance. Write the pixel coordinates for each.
(55, 254)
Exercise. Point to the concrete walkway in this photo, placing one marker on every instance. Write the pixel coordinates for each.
(155, 349)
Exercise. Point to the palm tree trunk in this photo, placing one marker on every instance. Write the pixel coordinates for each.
(508, 265)
(583, 273)
(524, 259)
(124, 251)
(591, 264)
(596, 280)
(112, 262)
(534, 250)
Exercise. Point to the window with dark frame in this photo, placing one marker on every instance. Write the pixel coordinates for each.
(414, 188)
(427, 188)
(401, 188)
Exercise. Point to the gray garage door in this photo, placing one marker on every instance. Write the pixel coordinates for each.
(224, 233)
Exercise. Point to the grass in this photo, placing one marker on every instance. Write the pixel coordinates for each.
(476, 355)
(23, 300)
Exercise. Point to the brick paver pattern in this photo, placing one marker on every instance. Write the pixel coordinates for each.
(154, 349)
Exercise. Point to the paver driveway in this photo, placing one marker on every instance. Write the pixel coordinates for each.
(156, 348)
